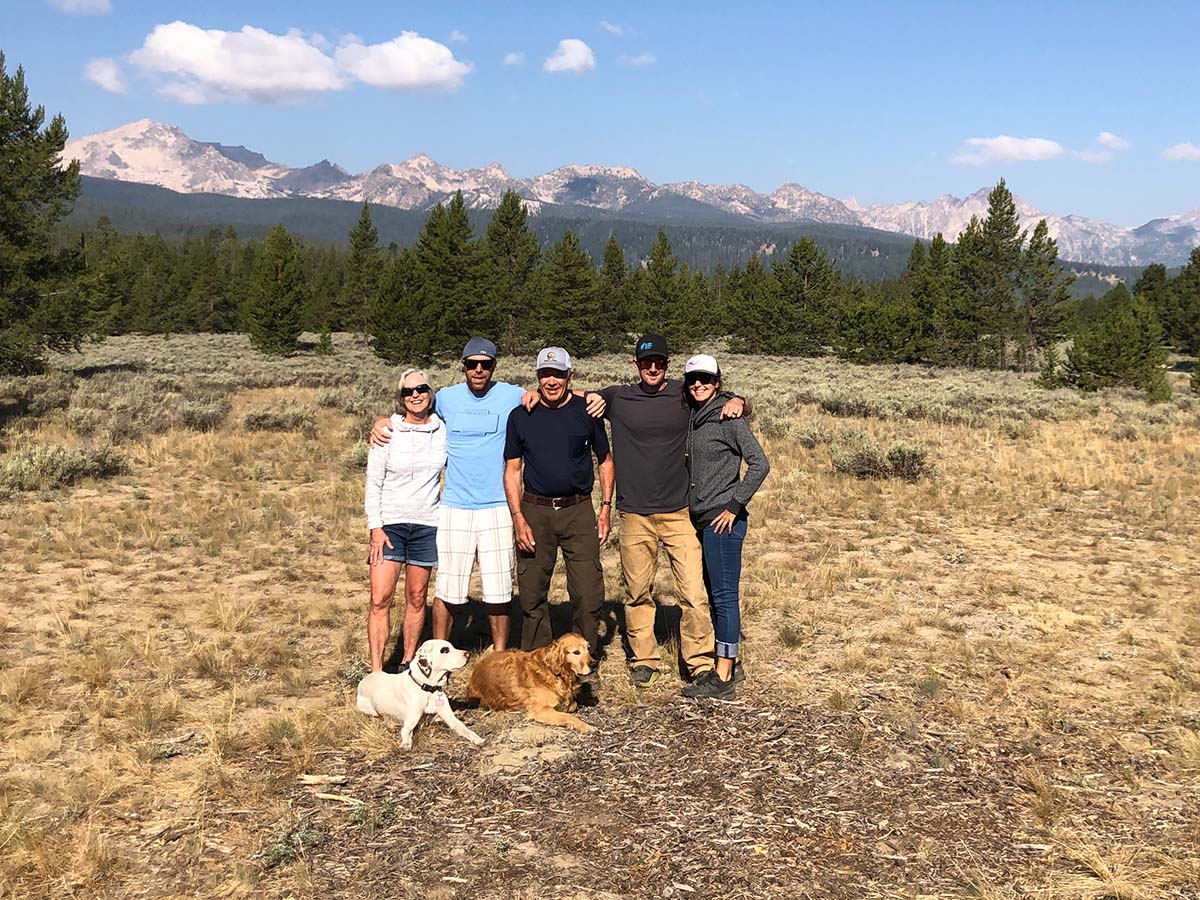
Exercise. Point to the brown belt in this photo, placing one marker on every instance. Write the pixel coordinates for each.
(554, 502)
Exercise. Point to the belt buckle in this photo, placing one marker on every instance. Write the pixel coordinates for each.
(557, 503)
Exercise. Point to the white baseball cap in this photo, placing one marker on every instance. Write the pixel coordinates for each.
(701, 362)
(554, 358)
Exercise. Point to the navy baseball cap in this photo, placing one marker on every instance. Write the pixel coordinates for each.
(479, 347)
(650, 345)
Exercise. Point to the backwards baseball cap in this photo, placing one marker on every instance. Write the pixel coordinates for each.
(701, 362)
(479, 347)
(554, 358)
(650, 345)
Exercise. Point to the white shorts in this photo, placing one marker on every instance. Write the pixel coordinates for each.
(461, 534)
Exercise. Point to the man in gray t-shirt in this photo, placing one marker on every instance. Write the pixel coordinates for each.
(649, 428)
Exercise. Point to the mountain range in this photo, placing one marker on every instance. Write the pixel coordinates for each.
(149, 152)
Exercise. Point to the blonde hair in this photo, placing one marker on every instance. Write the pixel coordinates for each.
(399, 401)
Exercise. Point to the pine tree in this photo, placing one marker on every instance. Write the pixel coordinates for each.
(658, 288)
(1183, 318)
(42, 306)
(753, 310)
(1001, 239)
(276, 300)
(959, 320)
(806, 289)
(363, 268)
(569, 315)
(450, 265)
(511, 253)
(1123, 346)
(1044, 290)
(402, 329)
(614, 297)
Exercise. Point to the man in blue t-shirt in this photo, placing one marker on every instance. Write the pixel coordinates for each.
(548, 479)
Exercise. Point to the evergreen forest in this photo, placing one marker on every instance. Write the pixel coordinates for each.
(997, 298)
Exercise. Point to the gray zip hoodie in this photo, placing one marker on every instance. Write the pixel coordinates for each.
(715, 450)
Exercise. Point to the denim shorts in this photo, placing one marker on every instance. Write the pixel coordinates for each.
(415, 545)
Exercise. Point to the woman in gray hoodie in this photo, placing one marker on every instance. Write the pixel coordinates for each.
(403, 491)
(717, 497)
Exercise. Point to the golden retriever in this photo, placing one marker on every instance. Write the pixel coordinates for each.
(542, 682)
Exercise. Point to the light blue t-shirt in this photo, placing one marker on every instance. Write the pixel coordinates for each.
(475, 429)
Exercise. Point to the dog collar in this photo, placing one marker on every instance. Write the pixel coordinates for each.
(427, 688)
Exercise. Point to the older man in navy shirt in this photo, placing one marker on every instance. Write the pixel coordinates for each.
(548, 481)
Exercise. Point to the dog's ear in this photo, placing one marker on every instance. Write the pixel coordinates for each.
(424, 665)
(556, 657)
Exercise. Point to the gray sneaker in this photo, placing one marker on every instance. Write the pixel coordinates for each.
(709, 686)
(643, 676)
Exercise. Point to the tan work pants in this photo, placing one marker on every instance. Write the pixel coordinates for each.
(640, 537)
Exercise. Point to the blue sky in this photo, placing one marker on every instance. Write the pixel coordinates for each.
(886, 102)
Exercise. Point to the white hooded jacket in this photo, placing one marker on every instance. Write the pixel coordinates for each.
(404, 476)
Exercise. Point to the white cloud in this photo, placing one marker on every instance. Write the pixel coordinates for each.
(514, 59)
(457, 37)
(1112, 142)
(106, 73)
(87, 7)
(408, 62)
(611, 28)
(1185, 151)
(203, 66)
(643, 59)
(1005, 149)
(1095, 157)
(572, 55)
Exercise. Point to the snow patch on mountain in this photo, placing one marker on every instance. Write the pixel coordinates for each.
(149, 152)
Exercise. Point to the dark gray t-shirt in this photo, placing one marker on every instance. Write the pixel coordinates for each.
(649, 440)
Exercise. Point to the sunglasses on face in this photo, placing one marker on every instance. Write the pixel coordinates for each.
(653, 362)
(701, 378)
(415, 389)
(551, 373)
(486, 364)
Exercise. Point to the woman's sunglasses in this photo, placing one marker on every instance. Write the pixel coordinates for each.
(701, 378)
(415, 389)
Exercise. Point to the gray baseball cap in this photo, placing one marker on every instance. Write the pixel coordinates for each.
(479, 347)
(554, 358)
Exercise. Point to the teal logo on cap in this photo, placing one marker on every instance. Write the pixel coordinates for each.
(646, 345)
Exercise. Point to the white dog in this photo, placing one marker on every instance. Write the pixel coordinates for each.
(417, 692)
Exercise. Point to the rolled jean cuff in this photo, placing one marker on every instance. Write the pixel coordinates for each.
(727, 651)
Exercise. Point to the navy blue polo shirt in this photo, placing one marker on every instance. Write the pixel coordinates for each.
(557, 446)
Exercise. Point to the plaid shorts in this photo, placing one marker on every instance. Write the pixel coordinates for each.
(463, 533)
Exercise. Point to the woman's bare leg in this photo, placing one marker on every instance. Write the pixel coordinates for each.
(416, 588)
(384, 576)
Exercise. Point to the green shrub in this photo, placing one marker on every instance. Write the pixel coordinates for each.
(282, 417)
(47, 466)
(812, 434)
(204, 415)
(862, 456)
(356, 459)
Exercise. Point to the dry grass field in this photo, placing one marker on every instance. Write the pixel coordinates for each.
(980, 679)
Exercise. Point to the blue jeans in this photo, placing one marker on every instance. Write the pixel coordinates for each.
(722, 575)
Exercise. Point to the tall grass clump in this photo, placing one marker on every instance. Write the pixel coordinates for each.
(861, 456)
(47, 466)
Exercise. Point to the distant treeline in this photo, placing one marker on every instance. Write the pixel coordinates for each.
(991, 300)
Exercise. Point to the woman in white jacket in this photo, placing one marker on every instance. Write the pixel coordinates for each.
(403, 485)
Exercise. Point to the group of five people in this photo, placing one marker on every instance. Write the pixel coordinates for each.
(519, 468)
